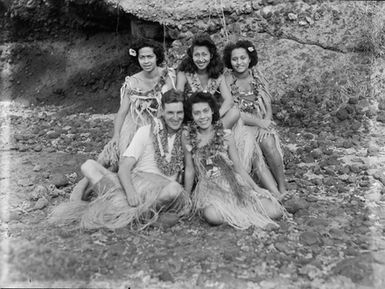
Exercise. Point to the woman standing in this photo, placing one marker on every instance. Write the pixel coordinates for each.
(201, 70)
(224, 193)
(256, 137)
(140, 98)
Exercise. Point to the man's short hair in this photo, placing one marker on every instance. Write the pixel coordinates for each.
(171, 96)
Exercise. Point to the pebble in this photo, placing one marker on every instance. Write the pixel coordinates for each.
(25, 182)
(373, 150)
(52, 134)
(379, 175)
(45, 175)
(342, 114)
(316, 153)
(282, 247)
(38, 148)
(59, 180)
(292, 16)
(381, 116)
(374, 196)
(23, 148)
(38, 192)
(41, 203)
(309, 238)
(166, 276)
(18, 137)
(168, 220)
(354, 268)
(295, 204)
(36, 168)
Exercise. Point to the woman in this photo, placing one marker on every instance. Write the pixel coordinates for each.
(140, 98)
(201, 70)
(256, 137)
(224, 193)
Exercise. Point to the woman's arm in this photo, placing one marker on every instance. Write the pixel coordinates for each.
(180, 81)
(120, 116)
(227, 97)
(253, 121)
(189, 171)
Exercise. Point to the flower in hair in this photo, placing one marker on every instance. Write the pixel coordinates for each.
(250, 48)
(132, 52)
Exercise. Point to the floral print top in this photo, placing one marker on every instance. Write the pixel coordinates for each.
(145, 104)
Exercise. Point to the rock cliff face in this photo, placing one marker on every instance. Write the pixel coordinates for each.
(329, 48)
(315, 54)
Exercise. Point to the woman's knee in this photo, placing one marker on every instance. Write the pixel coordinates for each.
(268, 143)
(212, 216)
(88, 166)
(170, 192)
(231, 117)
(93, 171)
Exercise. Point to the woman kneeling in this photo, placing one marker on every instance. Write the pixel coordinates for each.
(224, 193)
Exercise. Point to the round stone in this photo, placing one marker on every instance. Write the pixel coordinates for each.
(59, 180)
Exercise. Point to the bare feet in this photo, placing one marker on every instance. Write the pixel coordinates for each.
(79, 189)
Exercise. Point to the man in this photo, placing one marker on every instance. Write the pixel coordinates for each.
(146, 181)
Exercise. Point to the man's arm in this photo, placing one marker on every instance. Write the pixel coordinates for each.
(128, 161)
(125, 168)
(181, 81)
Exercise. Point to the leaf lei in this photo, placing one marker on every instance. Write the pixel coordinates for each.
(196, 85)
(246, 105)
(213, 147)
(160, 142)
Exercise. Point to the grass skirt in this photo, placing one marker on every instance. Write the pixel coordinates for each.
(247, 139)
(111, 210)
(216, 192)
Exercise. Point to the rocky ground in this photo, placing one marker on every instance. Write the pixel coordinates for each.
(60, 76)
(333, 238)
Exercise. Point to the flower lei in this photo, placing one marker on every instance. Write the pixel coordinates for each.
(211, 149)
(196, 85)
(160, 142)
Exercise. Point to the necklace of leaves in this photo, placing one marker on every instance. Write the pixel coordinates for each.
(160, 142)
(213, 147)
(245, 104)
(196, 85)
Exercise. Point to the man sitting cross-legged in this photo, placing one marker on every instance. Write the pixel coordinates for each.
(146, 181)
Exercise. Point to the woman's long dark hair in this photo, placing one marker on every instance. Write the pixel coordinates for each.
(144, 42)
(215, 67)
(245, 44)
(198, 97)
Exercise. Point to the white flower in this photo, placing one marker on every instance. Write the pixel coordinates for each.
(132, 52)
(250, 48)
(158, 126)
(188, 148)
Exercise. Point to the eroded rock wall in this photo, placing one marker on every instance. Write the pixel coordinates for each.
(321, 52)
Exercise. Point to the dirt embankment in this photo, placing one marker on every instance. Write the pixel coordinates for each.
(64, 52)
